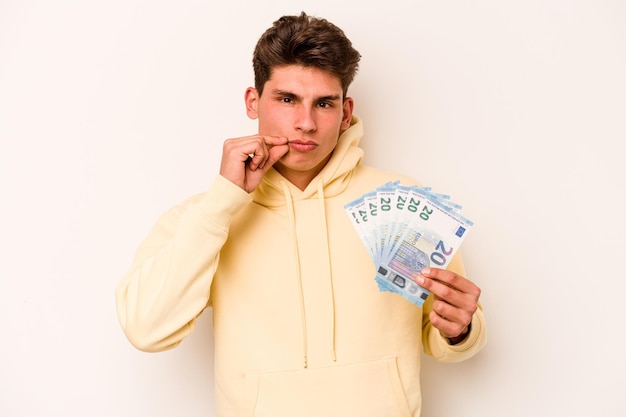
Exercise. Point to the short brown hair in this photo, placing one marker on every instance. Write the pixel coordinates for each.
(307, 41)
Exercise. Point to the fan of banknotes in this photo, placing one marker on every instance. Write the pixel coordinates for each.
(406, 229)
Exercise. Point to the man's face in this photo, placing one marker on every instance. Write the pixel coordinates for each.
(306, 106)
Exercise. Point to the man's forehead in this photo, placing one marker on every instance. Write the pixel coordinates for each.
(300, 80)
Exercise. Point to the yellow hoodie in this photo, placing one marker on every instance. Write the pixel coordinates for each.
(300, 326)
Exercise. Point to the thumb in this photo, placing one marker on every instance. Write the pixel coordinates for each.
(275, 153)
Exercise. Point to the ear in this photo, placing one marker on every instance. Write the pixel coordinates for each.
(348, 108)
(252, 100)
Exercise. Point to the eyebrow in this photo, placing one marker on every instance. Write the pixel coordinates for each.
(332, 97)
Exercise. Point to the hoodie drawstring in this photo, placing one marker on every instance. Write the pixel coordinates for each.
(320, 195)
(294, 238)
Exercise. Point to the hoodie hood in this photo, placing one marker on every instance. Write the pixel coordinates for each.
(333, 178)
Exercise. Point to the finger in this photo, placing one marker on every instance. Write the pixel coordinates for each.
(260, 158)
(451, 279)
(446, 327)
(257, 158)
(451, 295)
(457, 316)
(259, 154)
(274, 140)
(441, 290)
(243, 149)
(275, 153)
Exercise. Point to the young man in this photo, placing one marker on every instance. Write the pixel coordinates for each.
(300, 326)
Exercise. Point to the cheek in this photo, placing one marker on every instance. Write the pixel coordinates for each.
(329, 146)
(269, 123)
(268, 114)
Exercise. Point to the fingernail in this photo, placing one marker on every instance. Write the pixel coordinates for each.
(420, 279)
(426, 271)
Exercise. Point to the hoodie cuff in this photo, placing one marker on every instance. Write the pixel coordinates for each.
(465, 349)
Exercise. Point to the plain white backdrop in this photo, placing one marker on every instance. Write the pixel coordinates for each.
(111, 112)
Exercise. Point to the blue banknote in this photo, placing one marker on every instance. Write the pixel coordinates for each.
(406, 229)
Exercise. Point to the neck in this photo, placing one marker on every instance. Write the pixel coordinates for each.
(301, 179)
(297, 178)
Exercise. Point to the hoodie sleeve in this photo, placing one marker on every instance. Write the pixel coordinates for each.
(437, 345)
(169, 283)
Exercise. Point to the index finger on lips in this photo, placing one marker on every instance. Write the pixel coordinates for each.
(274, 140)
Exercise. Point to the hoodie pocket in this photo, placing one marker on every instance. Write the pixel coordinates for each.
(366, 389)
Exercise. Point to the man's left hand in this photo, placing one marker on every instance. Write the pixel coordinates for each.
(455, 301)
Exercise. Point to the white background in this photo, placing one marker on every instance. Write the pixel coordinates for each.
(113, 111)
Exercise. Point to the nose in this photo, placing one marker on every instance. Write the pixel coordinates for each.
(305, 121)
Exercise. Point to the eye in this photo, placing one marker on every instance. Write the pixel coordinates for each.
(325, 104)
(286, 100)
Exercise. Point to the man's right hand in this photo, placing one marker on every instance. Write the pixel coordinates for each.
(245, 171)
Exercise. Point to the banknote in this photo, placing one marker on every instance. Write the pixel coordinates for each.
(406, 229)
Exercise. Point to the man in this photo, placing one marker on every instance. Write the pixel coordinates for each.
(300, 326)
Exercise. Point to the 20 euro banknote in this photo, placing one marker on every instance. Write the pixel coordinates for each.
(406, 229)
